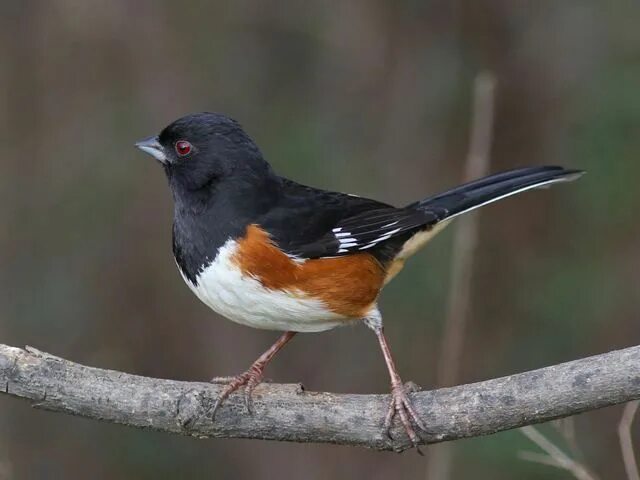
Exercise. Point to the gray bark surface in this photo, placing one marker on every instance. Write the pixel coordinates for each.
(287, 412)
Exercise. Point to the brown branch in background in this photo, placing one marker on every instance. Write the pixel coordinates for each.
(566, 426)
(288, 413)
(554, 456)
(466, 235)
(626, 442)
(464, 245)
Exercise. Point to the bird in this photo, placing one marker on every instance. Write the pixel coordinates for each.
(270, 253)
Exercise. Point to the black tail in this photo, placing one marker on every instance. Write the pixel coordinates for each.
(489, 189)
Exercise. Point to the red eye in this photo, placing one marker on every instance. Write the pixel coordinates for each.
(183, 148)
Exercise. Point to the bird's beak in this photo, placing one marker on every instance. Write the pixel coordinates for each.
(152, 146)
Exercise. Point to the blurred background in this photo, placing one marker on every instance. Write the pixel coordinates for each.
(368, 97)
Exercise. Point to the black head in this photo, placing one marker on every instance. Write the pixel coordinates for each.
(203, 149)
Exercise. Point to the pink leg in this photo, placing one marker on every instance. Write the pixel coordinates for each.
(253, 376)
(400, 403)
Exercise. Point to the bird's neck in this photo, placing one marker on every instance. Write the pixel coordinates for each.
(206, 219)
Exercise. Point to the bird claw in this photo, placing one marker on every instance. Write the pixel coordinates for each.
(401, 405)
(252, 383)
(249, 379)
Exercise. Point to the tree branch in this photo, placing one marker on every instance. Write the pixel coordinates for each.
(288, 413)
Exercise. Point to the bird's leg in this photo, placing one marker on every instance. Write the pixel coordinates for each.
(253, 376)
(400, 403)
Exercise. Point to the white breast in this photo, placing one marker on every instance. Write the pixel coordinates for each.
(243, 299)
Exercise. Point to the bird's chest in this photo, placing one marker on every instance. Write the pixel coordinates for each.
(243, 298)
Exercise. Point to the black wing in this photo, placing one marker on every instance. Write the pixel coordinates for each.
(369, 229)
(312, 223)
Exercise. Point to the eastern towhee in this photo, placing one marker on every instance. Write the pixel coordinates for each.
(270, 253)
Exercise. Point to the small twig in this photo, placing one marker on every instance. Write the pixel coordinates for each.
(567, 428)
(626, 442)
(556, 457)
(540, 458)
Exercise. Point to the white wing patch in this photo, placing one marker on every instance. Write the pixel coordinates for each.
(364, 231)
(381, 238)
(347, 241)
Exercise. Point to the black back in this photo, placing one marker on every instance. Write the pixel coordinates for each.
(223, 185)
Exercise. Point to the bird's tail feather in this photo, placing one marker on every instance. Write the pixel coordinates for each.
(489, 189)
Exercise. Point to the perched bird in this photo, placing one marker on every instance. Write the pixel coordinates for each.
(270, 253)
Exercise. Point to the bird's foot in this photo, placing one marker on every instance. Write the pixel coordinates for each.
(249, 379)
(401, 405)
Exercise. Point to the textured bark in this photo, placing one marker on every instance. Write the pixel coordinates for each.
(288, 413)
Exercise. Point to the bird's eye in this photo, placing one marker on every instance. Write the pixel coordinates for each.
(183, 148)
